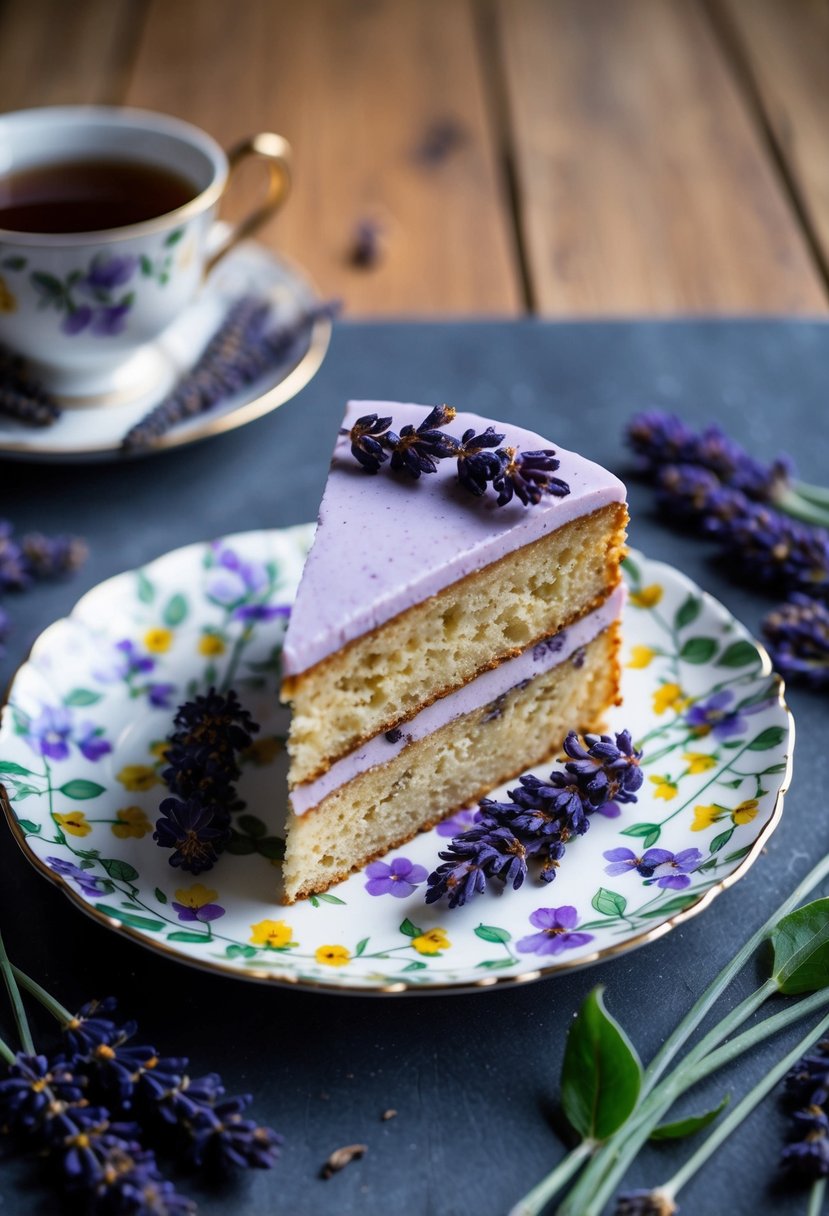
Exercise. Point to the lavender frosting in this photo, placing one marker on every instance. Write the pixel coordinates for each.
(485, 690)
(385, 542)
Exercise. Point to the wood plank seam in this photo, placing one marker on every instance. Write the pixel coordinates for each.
(737, 55)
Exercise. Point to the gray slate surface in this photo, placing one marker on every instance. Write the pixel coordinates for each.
(474, 1077)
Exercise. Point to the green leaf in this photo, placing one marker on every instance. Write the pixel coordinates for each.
(30, 828)
(146, 590)
(239, 951)
(186, 935)
(48, 286)
(14, 263)
(609, 903)
(240, 845)
(8, 766)
(360, 947)
(24, 791)
(698, 650)
(82, 696)
(770, 737)
(409, 929)
(330, 899)
(251, 826)
(174, 237)
(135, 922)
(732, 785)
(719, 842)
(175, 610)
(738, 854)
(493, 964)
(313, 901)
(119, 869)
(79, 789)
(671, 906)
(774, 768)
(146, 265)
(415, 967)
(800, 942)
(690, 1125)
(687, 612)
(649, 832)
(738, 654)
(601, 1074)
(271, 847)
(631, 569)
(160, 896)
(489, 933)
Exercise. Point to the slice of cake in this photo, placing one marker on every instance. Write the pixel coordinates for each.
(440, 643)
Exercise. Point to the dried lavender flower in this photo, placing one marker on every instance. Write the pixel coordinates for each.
(240, 351)
(528, 476)
(23, 398)
(543, 816)
(478, 466)
(417, 449)
(807, 1152)
(366, 437)
(798, 636)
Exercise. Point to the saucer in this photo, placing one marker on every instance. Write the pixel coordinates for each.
(95, 433)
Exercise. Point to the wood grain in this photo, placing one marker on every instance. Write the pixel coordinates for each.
(644, 184)
(384, 104)
(58, 53)
(785, 49)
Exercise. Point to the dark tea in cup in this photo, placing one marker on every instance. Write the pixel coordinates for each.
(90, 195)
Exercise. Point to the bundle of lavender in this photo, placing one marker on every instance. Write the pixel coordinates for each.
(770, 527)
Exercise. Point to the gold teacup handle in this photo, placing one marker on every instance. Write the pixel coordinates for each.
(276, 152)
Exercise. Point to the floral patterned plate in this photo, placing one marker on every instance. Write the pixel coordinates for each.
(96, 433)
(81, 741)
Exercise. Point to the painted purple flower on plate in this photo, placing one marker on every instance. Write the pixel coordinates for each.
(656, 866)
(557, 927)
(714, 717)
(204, 914)
(161, 695)
(399, 878)
(110, 321)
(90, 886)
(232, 578)
(50, 733)
(261, 612)
(108, 271)
(461, 821)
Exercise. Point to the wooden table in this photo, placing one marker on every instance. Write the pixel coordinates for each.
(562, 157)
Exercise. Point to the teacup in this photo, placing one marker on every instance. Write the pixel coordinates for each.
(80, 305)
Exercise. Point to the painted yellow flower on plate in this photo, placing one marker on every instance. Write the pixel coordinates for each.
(665, 788)
(8, 300)
(646, 597)
(132, 821)
(211, 644)
(699, 762)
(704, 816)
(158, 640)
(74, 823)
(137, 777)
(746, 811)
(332, 956)
(271, 933)
(642, 656)
(669, 696)
(196, 895)
(432, 942)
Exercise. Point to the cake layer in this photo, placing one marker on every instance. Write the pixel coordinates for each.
(408, 540)
(485, 691)
(450, 768)
(385, 678)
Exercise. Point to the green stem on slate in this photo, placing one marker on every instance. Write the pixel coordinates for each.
(550, 1186)
(673, 1086)
(733, 1120)
(816, 1198)
(20, 1018)
(603, 1158)
(812, 493)
(40, 994)
(809, 509)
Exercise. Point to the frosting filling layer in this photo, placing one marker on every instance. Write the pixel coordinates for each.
(484, 690)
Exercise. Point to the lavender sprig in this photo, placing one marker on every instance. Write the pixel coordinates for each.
(240, 351)
(202, 768)
(543, 816)
(798, 636)
(22, 398)
(527, 476)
